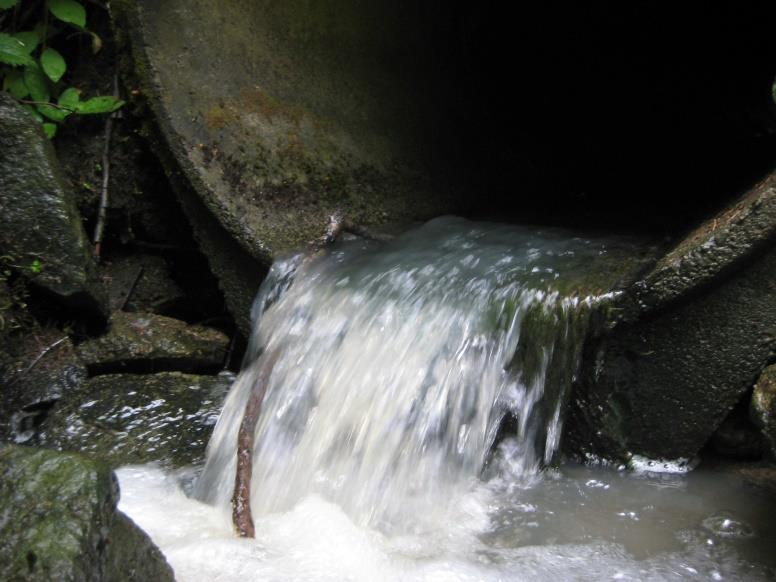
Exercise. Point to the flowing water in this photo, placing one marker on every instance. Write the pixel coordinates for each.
(414, 395)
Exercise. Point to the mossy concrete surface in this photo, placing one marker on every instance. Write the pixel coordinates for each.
(762, 410)
(301, 109)
(60, 522)
(40, 227)
(694, 334)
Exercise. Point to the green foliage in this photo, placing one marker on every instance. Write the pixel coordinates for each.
(69, 11)
(33, 72)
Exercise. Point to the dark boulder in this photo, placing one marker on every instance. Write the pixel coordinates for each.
(40, 228)
(60, 522)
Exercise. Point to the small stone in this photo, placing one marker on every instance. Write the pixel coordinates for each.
(762, 409)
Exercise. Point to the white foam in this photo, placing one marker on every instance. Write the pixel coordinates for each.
(317, 541)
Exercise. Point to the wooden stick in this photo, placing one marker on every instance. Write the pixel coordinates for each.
(132, 288)
(38, 359)
(241, 499)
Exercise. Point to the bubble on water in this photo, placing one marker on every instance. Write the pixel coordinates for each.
(641, 464)
(727, 526)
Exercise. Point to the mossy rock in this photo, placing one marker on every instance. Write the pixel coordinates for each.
(154, 342)
(762, 410)
(60, 522)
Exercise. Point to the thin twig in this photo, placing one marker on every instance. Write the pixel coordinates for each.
(37, 359)
(127, 297)
(230, 351)
(102, 210)
(54, 105)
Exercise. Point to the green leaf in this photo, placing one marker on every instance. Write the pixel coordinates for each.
(6, 4)
(53, 113)
(29, 38)
(36, 83)
(53, 64)
(104, 104)
(69, 98)
(50, 129)
(14, 84)
(35, 264)
(13, 51)
(68, 11)
(96, 43)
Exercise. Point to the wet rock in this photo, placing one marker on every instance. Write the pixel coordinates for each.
(43, 368)
(141, 283)
(40, 227)
(149, 342)
(738, 439)
(763, 407)
(137, 418)
(60, 522)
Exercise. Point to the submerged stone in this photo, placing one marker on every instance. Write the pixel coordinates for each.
(40, 228)
(60, 522)
(138, 418)
(153, 343)
(763, 407)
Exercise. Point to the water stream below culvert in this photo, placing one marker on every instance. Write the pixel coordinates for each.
(414, 401)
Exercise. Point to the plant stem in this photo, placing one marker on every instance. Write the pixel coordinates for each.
(102, 210)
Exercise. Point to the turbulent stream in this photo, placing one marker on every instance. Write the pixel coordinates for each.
(414, 404)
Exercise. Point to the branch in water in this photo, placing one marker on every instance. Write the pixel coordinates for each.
(336, 226)
(241, 499)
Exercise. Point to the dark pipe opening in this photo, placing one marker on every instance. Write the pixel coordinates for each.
(637, 115)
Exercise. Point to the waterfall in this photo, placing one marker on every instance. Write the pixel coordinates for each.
(399, 367)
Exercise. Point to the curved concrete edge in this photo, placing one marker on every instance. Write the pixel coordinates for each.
(689, 341)
(167, 144)
(268, 161)
(709, 253)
